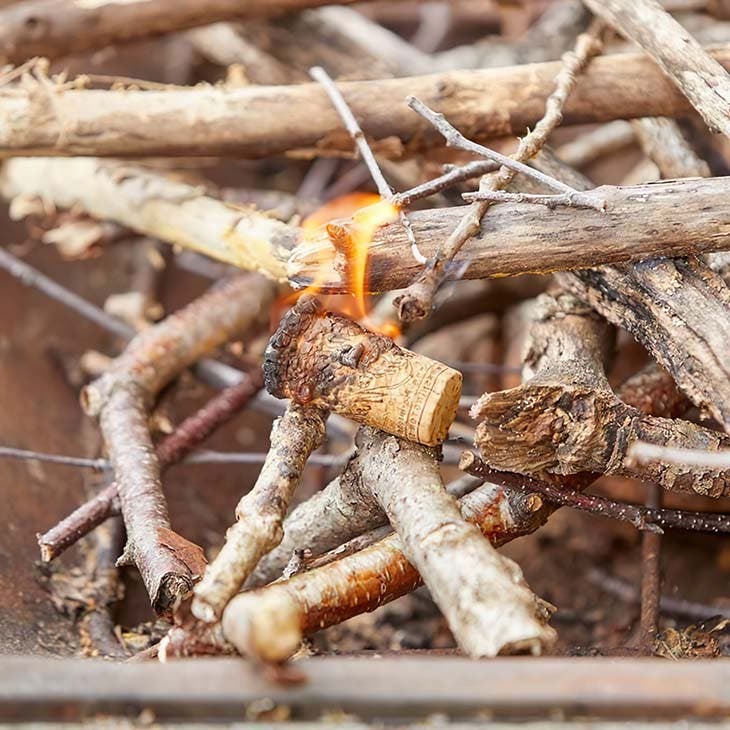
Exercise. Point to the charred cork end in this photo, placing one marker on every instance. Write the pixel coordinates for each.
(319, 358)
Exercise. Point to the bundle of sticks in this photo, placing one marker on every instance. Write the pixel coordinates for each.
(487, 191)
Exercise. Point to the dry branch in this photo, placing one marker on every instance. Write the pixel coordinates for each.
(417, 301)
(482, 594)
(55, 28)
(672, 218)
(155, 205)
(191, 432)
(257, 121)
(566, 420)
(319, 358)
(361, 582)
(121, 399)
(700, 78)
(260, 513)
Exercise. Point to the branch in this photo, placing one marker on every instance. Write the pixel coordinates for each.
(482, 594)
(55, 28)
(673, 218)
(260, 513)
(155, 205)
(41, 119)
(700, 78)
(191, 432)
(121, 398)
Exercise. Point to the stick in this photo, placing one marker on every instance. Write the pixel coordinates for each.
(700, 78)
(260, 513)
(565, 419)
(155, 205)
(651, 580)
(482, 594)
(649, 519)
(121, 398)
(54, 28)
(673, 218)
(319, 358)
(353, 128)
(257, 121)
(597, 143)
(360, 582)
(191, 432)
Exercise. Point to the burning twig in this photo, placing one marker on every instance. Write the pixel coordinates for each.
(348, 118)
(324, 360)
(417, 301)
(191, 432)
(121, 397)
(260, 513)
(700, 78)
(565, 419)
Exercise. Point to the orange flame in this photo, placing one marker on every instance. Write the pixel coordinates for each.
(367, 212)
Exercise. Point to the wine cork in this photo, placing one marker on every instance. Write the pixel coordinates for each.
(327, 360)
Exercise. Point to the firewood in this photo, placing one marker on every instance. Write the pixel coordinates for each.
(42, 120)
(121, 399)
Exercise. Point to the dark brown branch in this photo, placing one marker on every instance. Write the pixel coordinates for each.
(121, 399)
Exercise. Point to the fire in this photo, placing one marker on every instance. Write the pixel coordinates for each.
(367, 213)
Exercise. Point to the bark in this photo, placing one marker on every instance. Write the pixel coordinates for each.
(679, 310)
(482, 594)
(566, 420)
(653, 391)
(672, 218)
(663, 143)
(121, 399)
(55, 28)
(361, 582)
(191, 432)
(323, 359)
(155, 205)
(39, 119)
(260, 513)
(700, 78)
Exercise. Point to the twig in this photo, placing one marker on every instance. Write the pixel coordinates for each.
(417, 301)
(121, 398)
(348, 118)
(359, 582)
(643, 518)
(482, 594)
(700, 78)
(26, 455)
(651, 580)
(571, 200)
(260, 513)
(192, 431)
(597, 143)
(451, 177)
(668, 604)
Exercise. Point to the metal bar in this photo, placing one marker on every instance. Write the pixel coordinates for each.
(383, 688)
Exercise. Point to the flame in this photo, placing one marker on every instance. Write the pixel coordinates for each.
(367, 212)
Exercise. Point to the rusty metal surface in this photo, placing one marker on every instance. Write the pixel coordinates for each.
(368, 687)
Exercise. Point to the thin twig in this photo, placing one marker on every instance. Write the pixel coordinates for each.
(643, 518)
(651, 580)
(417, 301)
(9, 452)
(352, 126)
(571, 200)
